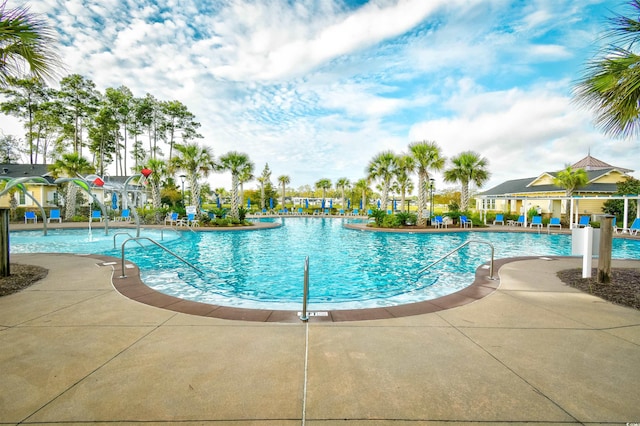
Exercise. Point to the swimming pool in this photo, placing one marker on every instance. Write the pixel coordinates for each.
(348, 269)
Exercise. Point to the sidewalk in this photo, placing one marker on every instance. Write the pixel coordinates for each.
(72, 349)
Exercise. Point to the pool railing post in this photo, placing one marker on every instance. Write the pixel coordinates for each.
(305, 290)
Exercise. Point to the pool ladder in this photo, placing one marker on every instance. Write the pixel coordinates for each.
(423, 270)
(124, 243)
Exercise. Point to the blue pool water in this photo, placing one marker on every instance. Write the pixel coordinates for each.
(347, 268)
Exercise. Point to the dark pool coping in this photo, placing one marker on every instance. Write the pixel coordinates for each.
(134, 288)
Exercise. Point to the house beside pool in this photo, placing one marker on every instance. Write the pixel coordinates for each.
(518, 196)
(46, 193)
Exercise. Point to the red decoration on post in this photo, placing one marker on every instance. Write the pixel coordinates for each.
(146, 172)
(98, 182)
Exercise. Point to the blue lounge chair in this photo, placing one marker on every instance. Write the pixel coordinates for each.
(356, 212)
(499, 219)
(635, 227)
(191, 220)
(519, 222)
(54, 215)
(125, 216)
(96, 215)
(171, 218)
(584, 222)
(30, 216)
(555, 221)
(536, 221)
(341, 213)
(439, 222)
(466, 223)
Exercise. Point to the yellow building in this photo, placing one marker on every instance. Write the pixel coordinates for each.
(518, 196)
(44, 193)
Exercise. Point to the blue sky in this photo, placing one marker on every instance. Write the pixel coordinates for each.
(316, 88)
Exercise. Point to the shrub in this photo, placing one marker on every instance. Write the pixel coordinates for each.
(405, 218)
(378, 216)
(390, 221)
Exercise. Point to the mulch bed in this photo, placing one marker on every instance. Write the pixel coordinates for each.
(624, 288)
(21, 276)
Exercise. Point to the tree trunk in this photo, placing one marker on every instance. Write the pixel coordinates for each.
(70, 202)
(422, 198)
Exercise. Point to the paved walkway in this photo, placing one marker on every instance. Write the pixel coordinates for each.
(73, 350)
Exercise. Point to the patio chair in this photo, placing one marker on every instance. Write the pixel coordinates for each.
(466, 223)
(191, 220)
(30, 216)
(583, 222)
(635, 227)
(341, 212)
(125, 216)
(555, 221)
(520, 221)
(438, 222)
(499, 219)
(54, 215)
(536, 221)
(96, 215)
(171, 219)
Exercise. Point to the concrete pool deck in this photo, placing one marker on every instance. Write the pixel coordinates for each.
(74, 350)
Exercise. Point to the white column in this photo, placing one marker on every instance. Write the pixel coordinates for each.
(571, 215)
(626, 212)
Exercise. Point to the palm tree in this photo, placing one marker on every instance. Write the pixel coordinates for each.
(70, 165)
(237, 163)
(403, 184)
(610, 84)
(570, 179)
(244, 177)
(284, 181)
(263, 179)
(195, 161)
(323, 184)
(342, 184)
(159, 168)
(427, 156)
(467, 167)
(362, 185)
(383, 167)
(25, 39)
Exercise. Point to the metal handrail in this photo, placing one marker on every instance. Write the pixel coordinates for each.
(422, 271)
(305, 290)
(159, 245)
(123, 233)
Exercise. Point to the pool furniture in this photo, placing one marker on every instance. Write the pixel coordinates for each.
(171, 219)
(341, 213)
(583, 222)
(96, 215)
(30, 216)
(438, 222)
(519, 222)
(191, 220)
(536, 221)
(635, 227)
(466, 223)
(54, 215)
(125, 216)
(356, 212)
(499, 219)
(555, 221)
